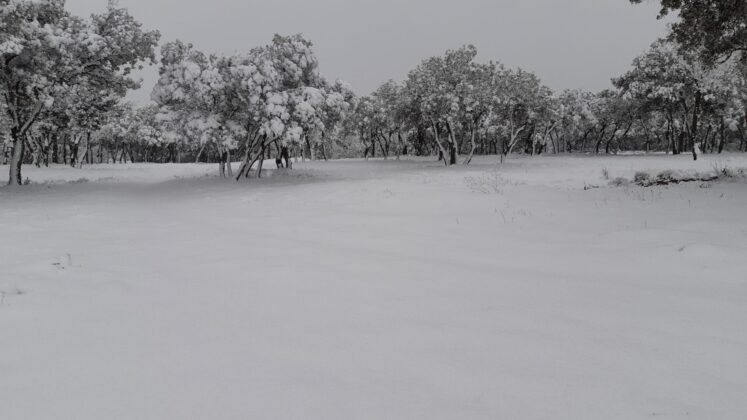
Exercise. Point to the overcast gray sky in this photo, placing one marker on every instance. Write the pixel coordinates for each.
(568, 43)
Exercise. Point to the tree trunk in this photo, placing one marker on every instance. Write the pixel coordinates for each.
(472, 148)
(82, 150)
(324, 152)
(245, 166)
(399, 143)
(670, 137)
(706, 140)
(17, 132)
(694, 128)
(16, 159)
(512, 142)
(229, 169)
(454, 149)
(285, 155)
(680, 143)
(49, 149)
(607, 144)
(261, 162)
(66, 150)
(221, 162)
(36, 150)
(600, 138)
(55, 149)
(583, 139)
(199, 154)
(438, 142)
(382, 141)
(308, 144)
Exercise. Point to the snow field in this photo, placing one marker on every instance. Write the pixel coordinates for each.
(369, 290)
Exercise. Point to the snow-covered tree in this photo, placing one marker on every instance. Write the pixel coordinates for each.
(46, 51)
(714, 29)
(435, 86)
(273, 94)
(577, 121)
(667, 80)
(521, 99)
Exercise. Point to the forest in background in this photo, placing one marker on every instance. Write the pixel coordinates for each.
(64, 79)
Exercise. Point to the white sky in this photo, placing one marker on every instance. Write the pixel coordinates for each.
(568, 43)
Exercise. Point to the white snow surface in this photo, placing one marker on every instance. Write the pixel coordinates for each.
(374, 290)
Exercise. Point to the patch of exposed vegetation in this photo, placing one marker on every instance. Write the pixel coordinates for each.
(669, 176)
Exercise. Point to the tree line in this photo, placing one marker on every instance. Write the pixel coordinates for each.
(452, 105)
(63, 81)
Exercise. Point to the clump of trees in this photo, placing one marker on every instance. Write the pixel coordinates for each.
(454, 106)
(271, 97)
(683, 103)
(64, 71)
(671, 100)
(687, 93)
(63, 80)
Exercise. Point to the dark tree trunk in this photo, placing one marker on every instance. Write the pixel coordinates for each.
(612, 137)
(680, 143)
(16, 158)
(324, 152)
(55, 149)
(384, 150)
(261, 161)
(694, 128)
(285, 156)
(600, 139)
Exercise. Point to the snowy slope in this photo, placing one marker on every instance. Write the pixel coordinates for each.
(371, 290)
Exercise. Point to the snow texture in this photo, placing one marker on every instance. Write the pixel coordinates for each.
(374, 290)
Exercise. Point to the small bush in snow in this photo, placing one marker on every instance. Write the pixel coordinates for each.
(666, 177)
(723, 171)
(641, 177)
(619, 182)
(669, 176)
(728, 173)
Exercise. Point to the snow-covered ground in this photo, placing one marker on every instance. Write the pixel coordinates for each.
(374, 290)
